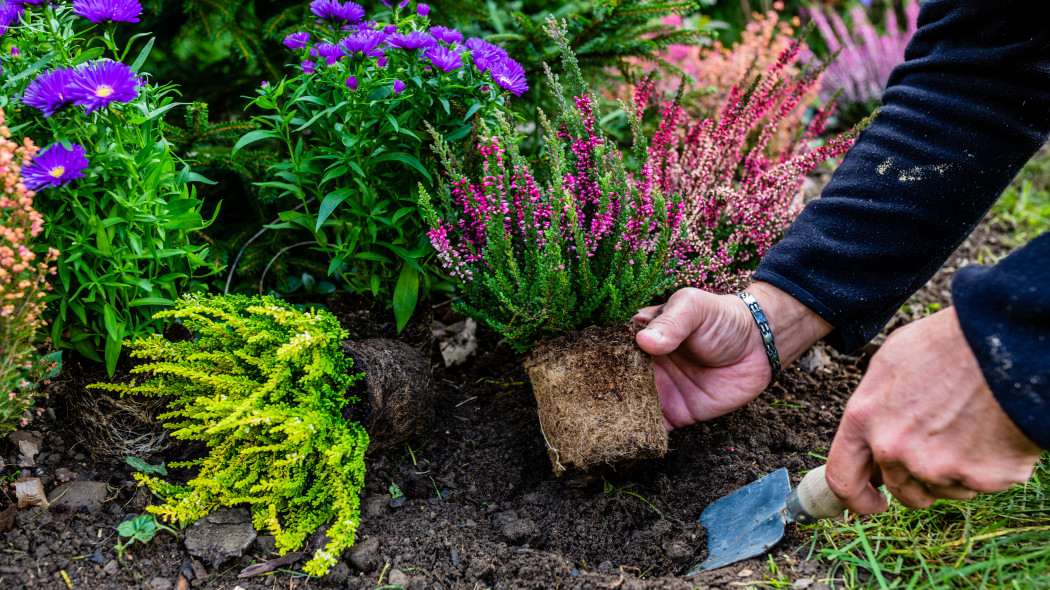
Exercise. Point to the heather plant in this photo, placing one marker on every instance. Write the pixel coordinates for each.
(712, 71)
(739, 194)
(116, 201)
(23, 283)
(264, 386)
(351, 122)
(864, 58)
(538, 259)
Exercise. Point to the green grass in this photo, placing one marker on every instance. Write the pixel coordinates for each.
(1024, 207)
(993, 541)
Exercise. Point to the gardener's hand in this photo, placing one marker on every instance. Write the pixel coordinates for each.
(709, 356)
(924, 422)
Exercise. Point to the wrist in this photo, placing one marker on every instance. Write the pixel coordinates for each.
(795, 327)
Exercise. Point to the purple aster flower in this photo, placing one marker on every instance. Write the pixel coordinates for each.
(9, 15)
(390, 29)
(329, 51)
(102, 83)
(485, 54)
(308, 66)
(55, 166)
(411, 40)
(446, 35)
(445, 59)
(297, 40)
(509, 75)
(399, 86)
(422, 10)
(49, 91)
(364, 42)
(14, 51)
(381, 62)
(108, 11)
(351, 83)
(334, 13)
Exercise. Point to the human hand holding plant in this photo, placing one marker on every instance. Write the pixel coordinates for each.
(925, 423)
(709, 357)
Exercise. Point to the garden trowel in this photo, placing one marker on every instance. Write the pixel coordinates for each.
(751, 520)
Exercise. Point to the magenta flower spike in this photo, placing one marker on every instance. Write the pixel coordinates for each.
(56, 165)
(49, 91)
(108, 11)
(102, 83)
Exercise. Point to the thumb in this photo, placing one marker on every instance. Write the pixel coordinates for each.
(681, 316)
(851, 469)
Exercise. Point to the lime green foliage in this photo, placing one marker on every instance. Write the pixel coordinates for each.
(263, 385)
(993, 541)
(1025, 206)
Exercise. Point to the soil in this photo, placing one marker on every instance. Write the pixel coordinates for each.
(480, 506)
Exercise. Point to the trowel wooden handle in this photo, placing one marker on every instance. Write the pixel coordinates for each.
(813, 500)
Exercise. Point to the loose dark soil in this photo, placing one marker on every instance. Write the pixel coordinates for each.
(481, 507)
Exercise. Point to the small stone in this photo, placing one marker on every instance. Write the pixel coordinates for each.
(374, 506)
(337, 575)
(364, 555)
(745, 573)
(111, 567)
(470, 524)
(182, 584)
(519, 531)
(605, 566)
(98, 557)
(802, 584)
(679, 552)
(398, 578)
(159, 583)
(397, 502)
(79, 495)
(225, 533)
(455, 558)
(63, 475)
(266, 544)
(813, 361)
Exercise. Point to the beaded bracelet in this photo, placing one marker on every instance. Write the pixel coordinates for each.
(765, 330)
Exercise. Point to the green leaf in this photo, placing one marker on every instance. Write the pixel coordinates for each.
(473, 109)
(142, 466)
(406, 294)
(406, 159)
(459, 133)
(142, 528)
(328, 205)
(150, 301)
(252, 137)
(141, 59)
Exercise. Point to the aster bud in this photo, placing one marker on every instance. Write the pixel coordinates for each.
(351, 83)
(422, 10)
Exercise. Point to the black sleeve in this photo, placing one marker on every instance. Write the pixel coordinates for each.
(1005, 314)
(964, 112)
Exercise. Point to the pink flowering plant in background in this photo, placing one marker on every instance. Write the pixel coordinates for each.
(351, 121)
(739, 193)
(23, 282)
(116, 202)
(538, 254)
(864, 57)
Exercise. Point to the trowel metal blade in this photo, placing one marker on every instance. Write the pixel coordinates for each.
(746, 523)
